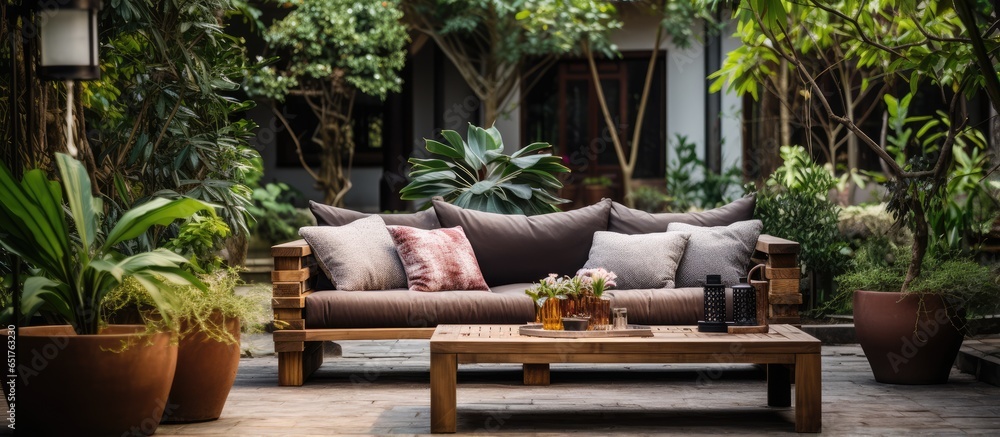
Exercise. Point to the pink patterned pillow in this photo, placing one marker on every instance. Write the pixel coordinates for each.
(439, 259)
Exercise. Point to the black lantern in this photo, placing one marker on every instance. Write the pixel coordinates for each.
(715, 306)
(68, 33)
(744, 304)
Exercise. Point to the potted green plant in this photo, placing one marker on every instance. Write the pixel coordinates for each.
(478, 175)
(208, 323)
(913, 337)
(918, 160)
(596, 188)
(95, 379)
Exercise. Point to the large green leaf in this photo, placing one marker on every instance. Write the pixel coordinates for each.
(444, 149)
(31, 216)
(78, 193)
(158, 211)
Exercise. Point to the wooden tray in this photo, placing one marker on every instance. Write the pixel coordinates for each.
(535, 330)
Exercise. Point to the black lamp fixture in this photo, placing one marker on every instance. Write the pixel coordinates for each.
(68, 34)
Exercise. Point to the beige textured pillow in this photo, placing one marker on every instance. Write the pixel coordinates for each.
(357, 256)
(641, 261)
(437, 260)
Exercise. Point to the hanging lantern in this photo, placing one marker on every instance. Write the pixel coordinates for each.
(715, 306)
(68, 33)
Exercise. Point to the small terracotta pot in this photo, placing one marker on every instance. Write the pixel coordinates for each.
(594, 194)
(87, 385)
(206, 370)
(904, 345)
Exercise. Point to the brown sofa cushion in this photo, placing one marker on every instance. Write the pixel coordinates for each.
(517, 248)
(626, 220)
(506, 304)
(660, 306)
(327, 215)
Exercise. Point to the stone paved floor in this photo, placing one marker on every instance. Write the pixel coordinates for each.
(381, 387)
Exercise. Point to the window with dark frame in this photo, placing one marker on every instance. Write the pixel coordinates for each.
(368, 130)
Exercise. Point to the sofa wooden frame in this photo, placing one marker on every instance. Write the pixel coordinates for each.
(300, 350)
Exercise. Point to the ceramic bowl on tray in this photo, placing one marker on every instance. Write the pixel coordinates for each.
(575, 323)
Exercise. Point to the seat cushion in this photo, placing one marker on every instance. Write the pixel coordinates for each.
(505, 304)
(516, 248)
(660, 306)
(327, 215)
(625, 220)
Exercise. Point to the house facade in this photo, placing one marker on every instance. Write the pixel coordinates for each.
(560, 108)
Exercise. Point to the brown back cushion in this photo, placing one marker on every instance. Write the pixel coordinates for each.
(516, 248)
(327, 215)
(625, 220)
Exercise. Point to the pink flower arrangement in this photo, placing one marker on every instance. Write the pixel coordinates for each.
(597, 280)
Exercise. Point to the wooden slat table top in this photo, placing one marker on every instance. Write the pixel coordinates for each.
(491, 339)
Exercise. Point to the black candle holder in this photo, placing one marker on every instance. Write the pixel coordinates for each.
(715, 306)
(744, 304)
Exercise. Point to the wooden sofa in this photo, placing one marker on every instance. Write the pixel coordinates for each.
(300, 350)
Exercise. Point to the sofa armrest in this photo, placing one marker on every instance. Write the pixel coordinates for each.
(781, 278)
(292, 281)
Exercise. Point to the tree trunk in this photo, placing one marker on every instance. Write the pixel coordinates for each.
(490, 108)
(920, 237)
(785, 117)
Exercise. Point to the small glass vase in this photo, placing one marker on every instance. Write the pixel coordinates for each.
(550, 314)
(600, 312)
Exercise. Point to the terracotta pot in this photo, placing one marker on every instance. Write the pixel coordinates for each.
(86, 385)
(905, 346)
(206, 369)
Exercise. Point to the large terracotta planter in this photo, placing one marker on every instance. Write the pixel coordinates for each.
(206, 370)
(904, 345)
(87, 385)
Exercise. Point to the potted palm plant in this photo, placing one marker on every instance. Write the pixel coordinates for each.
(95, 379)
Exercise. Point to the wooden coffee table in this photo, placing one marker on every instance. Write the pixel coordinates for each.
(783, 349)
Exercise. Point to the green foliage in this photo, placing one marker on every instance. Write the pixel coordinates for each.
(650, 199)
(964, 283)
(686, 192)
(162, 120)
(198, 240)
(277, 219)
(794, 204)
(493, 42)
(477, 175)
(334, 42)
(75, 271)
(968, 198)
(196, 306)
(948, 45)
(329, 50)
(598, 181)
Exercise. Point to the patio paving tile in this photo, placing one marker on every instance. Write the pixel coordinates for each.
(381, 387)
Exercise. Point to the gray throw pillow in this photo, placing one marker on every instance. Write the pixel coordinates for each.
(640, 261)
(626, 220)
(327, 215)
(357, 256)
(718, 250)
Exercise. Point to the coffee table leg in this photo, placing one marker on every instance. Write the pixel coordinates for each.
(536, 374)
(779, 386)
(444, 376)
(808, 393)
